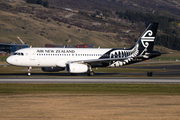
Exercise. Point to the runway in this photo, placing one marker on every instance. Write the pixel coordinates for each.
(94, 80)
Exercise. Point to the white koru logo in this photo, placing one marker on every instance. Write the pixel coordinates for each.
(145, 40)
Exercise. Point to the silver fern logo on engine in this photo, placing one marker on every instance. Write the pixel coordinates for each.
(146, 38)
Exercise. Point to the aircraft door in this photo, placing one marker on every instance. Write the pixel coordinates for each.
(32, 54)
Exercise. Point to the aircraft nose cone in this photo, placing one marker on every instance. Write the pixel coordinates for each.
(9, 60)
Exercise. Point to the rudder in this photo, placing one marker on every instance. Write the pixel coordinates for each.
(147, 39)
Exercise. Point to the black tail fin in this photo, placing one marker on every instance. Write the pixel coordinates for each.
(146, 41)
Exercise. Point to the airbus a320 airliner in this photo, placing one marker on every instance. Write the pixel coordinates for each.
(82, 60)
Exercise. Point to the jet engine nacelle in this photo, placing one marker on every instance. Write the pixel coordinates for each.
(52, 69)
(76, 68)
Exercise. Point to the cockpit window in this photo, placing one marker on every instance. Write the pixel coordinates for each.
(17, 53)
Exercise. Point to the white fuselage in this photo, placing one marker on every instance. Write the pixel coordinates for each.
(52, 57)
(59, 57)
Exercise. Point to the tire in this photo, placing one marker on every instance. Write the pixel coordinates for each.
(90, 73)
(28, 74)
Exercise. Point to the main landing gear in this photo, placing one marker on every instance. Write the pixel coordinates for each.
(90, 72)
(29, 71)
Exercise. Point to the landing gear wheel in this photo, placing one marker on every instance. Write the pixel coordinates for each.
(28, 74)
(90, 73)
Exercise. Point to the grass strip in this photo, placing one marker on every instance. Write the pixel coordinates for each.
(159, 89)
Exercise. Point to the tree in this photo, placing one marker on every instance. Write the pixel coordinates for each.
(46, 4)
(39, 2)
(31, 1)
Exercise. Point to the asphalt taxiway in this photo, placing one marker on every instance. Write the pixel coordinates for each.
(163, 73)
(94, 80)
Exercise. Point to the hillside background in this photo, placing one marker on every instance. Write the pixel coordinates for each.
(105, 23)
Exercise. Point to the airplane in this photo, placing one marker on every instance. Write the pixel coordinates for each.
(82, 60)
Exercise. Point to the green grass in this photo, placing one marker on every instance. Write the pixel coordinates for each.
(159, 89)
(3, 58)
(164, 58)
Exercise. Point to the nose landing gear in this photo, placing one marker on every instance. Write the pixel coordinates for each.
(29, 71)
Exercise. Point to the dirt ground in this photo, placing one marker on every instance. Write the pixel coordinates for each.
(91, 107)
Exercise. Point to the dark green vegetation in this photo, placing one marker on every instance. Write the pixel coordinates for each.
(168, 41)
(159, 89)
(41, 2)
